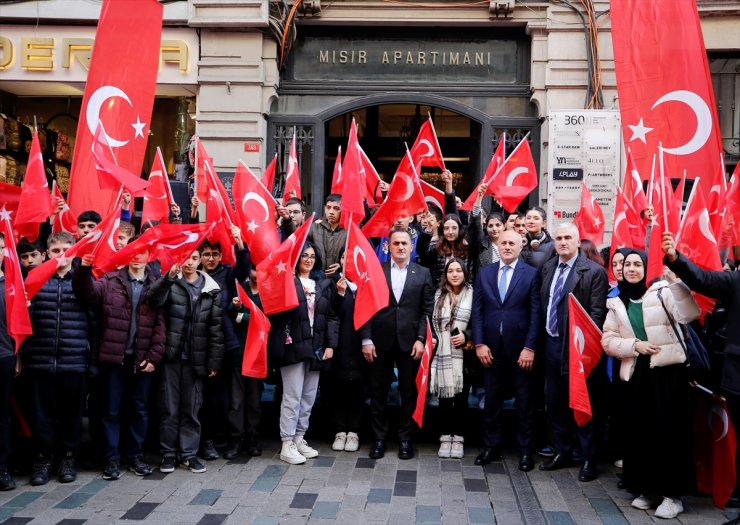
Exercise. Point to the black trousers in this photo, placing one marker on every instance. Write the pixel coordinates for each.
(381, 373)
(7, 372)
(180, 399)
(346, 400)
(214, 412)
(58, 402)
(245, 395)
(505, 368)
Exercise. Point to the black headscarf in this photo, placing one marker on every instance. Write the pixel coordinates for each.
(629, 290)
(624, 252)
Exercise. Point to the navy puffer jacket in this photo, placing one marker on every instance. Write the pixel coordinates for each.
(60, 329)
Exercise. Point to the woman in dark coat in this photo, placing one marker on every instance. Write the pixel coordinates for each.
(300, 340)
(540, 246)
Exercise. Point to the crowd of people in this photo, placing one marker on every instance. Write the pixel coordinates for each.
(494, 289)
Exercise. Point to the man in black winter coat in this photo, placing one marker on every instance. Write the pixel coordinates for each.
(193, 350)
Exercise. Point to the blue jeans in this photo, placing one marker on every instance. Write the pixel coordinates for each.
(125, 396)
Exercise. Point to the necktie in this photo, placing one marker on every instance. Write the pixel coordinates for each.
(552, 320)
(502, 282)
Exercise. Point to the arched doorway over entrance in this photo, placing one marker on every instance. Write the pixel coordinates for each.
(385, 130)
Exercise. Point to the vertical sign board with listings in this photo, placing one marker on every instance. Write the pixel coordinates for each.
(585, 146)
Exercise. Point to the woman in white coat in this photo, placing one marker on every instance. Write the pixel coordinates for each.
(657, 448)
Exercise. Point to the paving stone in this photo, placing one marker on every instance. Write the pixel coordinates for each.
(608, 512)
(325, 510)
(23, 500)
(303, 500)
(450, 466)
(379, 496)
(495, 467)
(16, 521)
(206, 497)
(73, 521)
(74, 500)
(406, 476)
(559, 518)
(324, 461)
(139, 511)
(266, 520)
(480, 515)
(404, 489)
(428, 513)
(365, 463)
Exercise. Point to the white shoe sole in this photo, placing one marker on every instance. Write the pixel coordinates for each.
(352, 448)
(310, 455)
(642, 505)
(338, 446)
(293, 461)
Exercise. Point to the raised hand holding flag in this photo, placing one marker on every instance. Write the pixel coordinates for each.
(64, 221)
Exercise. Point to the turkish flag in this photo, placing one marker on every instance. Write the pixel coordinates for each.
(254, 362)
(293, 175)
(268, 177)
(106, 248)
(695, 239)
(422, 378)
(275, 273)
(426, 150)
(372, 180)
(405, 198)
(433, 195)
(516, 179)
(665, 218)
(621, 236)
(584, 353)
(10, 197)
(716, 202)
(170, 244)
(363, 268)
(157, 202)
(119, 92)
(16, 311)
(496, 161)
(110, 175)
(665, 88)
(633, 190)
(715, 446)
(65, 220)
(732, 205)
(590, 218)
(255, 207)
(352, 181)
(35, 202)
(336, 178)
(37, 277)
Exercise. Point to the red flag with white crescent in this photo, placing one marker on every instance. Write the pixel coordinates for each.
(293, 175)
(119, 92)
(516, 179)
(16, 311)
(732, 205)
(362, 267)
(35, 202)
(584, 353)
(426, 150)
(255, 207)
(496, 161)
(254, 362)
(65, 220)
(111, 176)
(157, 201)
(433, 195)
(665, 87)
(590, 218)
(715, 447)
(422, 378)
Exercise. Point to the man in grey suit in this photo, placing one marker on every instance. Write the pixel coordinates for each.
(396, 335)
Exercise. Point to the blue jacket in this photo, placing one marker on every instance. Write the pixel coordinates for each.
(517, 317)
(60, 330)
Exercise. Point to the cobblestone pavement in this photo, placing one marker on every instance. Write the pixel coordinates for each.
(341, 487)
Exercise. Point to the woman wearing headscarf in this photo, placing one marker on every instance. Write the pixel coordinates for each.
(657, 447)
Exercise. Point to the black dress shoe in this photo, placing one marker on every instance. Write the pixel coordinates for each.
(588, 471)
(525, 462)
(232, 450)
(405, 450)
(487, 455)
(378, 449)
(209, 452)
(557, 462)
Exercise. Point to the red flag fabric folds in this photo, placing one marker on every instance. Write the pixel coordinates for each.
(433, 195)
(496, 161)
(353, 181)
(584, 353)
(590, 218)
(372, 180)
(119, 91)
(517, 179)
(275, 273)
(35, 202)
(157, 202)
(254, 362)
(336, 178)
(426, 150)
(16, 312)
(268, 177)
(715, 445)
(293, 175)
(422, 378)
(363, 268)
(110, 174)
(65, 220)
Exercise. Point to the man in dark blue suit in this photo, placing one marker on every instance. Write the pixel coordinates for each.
(506, 323)
(569, 272)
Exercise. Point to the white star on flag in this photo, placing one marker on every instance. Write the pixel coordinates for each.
(138, 127)
(263, 335)
(252, 226)
(5, 214)
(597, 222)
(639, 131)
(281, 267)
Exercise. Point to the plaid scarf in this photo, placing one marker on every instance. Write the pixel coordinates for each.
(446, 377)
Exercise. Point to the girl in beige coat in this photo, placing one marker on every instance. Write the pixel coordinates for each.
(657, 449)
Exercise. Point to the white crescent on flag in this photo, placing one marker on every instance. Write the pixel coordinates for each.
(95, 103)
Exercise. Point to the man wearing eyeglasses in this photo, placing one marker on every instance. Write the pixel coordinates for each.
(214, 411)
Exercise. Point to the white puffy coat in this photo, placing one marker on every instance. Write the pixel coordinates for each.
(618, 339)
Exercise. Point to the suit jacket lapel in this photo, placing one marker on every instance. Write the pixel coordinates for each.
(387, 271)
(410, 274)
(518, 269)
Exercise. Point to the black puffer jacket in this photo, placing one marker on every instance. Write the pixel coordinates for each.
(203, 323)
(296, 323)
(60, 329)
(348, 362)
(537, 257)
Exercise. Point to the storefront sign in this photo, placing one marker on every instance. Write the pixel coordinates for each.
(584, 146)
(406, 59)
(62, 54)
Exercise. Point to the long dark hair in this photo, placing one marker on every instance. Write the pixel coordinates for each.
(456, 248)
(445, 288)
(317, 273)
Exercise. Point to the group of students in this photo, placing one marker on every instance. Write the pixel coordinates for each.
(494, 289)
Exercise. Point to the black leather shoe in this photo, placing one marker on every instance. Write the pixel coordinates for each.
(487, 455)
(405, 450)
(232, 450)
(378, 449)
(525, 462)
(209, 452)
(588, 471)
(557, 462)
(252, 446)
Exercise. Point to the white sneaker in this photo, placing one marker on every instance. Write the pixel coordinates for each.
(353, 442)
(445, 446)
(670, 508)
(457, 451)
(340, 440)
(618, 463)
(289, 453)
(303, 448)
(644, 502)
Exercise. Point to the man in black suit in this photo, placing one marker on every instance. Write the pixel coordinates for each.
(396, 334)
(570, 272)
(506, 325)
